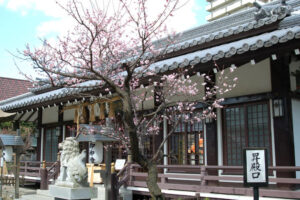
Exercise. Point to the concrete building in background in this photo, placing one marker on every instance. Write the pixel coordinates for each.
(221, 8)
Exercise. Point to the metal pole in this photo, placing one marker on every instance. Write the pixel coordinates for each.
(255, 193)
(17, 173)
(108, 173)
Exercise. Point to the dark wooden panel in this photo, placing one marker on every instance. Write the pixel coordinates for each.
(212, 146)
(39, 124)
(283, 132)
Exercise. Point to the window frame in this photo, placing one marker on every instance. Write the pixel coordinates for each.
(246, 127)
(185, 131)
(53, 134)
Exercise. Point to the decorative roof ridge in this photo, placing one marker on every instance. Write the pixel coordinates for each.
(236, 19)
(289, 21)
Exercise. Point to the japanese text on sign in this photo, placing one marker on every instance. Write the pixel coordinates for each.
(255, 166)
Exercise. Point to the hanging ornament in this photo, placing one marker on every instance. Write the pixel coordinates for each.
(97, 110)
(83, 115)
(92, 113)
(76, 115)
(102, 111)
(111, 113)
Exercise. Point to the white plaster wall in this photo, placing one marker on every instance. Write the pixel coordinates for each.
(50, 115)
(26, 115)
(34, 117)
(296, 128)
(181, 97)
(252, 79)
(69, 114)
(148, 103)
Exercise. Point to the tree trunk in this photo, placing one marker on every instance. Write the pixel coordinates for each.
(149, 166)
(153, 187)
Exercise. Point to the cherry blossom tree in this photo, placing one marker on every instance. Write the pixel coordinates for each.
(118, 45)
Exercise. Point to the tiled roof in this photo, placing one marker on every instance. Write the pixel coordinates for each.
(31, 99)
(229, 49)
(230, 25)
(287, 29)
(222, 34)
(202, 56)
(10, 87)
(235, 23)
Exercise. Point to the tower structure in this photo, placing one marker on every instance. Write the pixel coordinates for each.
(221, 8)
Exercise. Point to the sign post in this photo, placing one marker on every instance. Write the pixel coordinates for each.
(255, 169)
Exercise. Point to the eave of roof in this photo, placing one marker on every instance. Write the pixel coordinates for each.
(50, 96)
(202, 56)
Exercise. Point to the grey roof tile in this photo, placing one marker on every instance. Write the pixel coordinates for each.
(11, 140)
(289, 28)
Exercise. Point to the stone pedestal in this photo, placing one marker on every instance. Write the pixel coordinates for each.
(66, 193)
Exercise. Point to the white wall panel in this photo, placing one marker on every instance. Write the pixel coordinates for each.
(69, 114)
(50, 115)
(252, 79)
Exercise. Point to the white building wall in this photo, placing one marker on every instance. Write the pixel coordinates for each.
(50, 115)
(296, 128)
(69, 114)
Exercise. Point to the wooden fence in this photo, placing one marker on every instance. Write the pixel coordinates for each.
(216, 179)
(43, 172)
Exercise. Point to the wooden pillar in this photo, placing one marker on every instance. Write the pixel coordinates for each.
(39, 127)
(212, 145)
(60, 122)
(114, 186)
(283, 130)
(16, 127)
(44, 177)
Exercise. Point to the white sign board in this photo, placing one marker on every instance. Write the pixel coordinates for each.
(120, 164)
(255, 167)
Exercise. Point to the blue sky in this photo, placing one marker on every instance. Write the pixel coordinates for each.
(24, 21)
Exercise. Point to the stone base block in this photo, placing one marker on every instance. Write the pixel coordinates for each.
(66, 193)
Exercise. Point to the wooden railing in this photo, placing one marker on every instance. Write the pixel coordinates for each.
(32, 171)
(217, 179)
(123, 176)
(53, 172)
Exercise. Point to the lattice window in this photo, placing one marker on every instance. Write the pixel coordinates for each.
(51, 145)
(246, 126)
(186, 144)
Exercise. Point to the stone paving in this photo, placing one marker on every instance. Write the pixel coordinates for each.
(8, 192)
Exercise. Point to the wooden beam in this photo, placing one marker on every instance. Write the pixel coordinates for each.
(20, 117)
(90, 103)
(33, 112)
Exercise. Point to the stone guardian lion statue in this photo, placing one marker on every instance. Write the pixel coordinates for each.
(73, 172)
